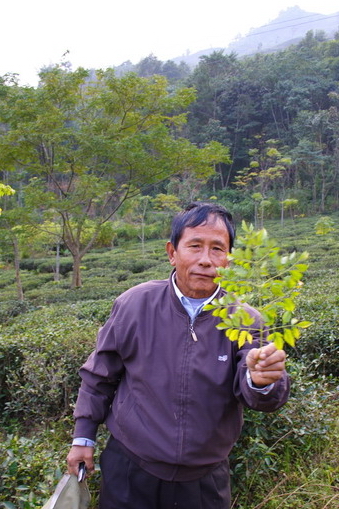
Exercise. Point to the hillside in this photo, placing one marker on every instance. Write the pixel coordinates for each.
(288, 28)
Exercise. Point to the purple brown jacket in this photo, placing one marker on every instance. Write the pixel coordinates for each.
(172, 402)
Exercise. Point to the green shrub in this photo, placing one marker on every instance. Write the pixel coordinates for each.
(32, 465)
(39, 360)
(125, 231)
(97, 311)
(27, 472)
(11, 308)
(319, 346)
(272, 445)
(7, 277)
(46, 265)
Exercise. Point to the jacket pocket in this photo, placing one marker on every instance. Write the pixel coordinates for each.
(122, 410)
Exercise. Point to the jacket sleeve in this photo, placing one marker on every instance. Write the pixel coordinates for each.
(250, 397)
(100, 376)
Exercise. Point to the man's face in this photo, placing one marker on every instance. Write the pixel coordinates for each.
(199, 252)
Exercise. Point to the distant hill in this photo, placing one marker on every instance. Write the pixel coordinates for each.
(288, 28)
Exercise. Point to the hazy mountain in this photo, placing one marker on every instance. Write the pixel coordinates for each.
(288, 28)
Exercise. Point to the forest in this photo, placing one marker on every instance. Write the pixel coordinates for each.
(93, 166)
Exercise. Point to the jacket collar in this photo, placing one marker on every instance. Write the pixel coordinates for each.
(175, 296)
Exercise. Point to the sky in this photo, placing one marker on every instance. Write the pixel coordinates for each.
(105, 33)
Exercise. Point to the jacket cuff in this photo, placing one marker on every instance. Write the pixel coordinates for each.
(85, 428)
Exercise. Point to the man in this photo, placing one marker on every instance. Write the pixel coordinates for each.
(171, 387)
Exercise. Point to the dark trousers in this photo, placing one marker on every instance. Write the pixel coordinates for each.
(125, 485)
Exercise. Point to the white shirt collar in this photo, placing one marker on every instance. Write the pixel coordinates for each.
(180, 295)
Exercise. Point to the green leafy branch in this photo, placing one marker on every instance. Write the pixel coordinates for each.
(260, 276)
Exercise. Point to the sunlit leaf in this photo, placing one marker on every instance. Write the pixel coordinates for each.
(242, 338)
(289, 337)
(304, 324)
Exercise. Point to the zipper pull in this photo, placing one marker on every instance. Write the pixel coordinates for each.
(193, 334)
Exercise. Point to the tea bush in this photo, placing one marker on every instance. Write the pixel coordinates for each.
(300, 433)
(31, 465)
(318, 347)
(39, 359)
(47, 265)
(29, 470)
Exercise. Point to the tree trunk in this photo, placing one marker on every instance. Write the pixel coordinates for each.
(143, 237)
(76, 276)
(57, 263)
(222, 181)
(262, 218)
(323, 190)
(20, 292)
(255, 215)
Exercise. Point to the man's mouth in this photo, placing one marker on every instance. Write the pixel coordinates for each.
(204, 276)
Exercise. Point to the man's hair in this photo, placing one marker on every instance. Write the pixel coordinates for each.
(197, 213)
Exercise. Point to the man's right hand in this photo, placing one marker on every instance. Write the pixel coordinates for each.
(76, 455)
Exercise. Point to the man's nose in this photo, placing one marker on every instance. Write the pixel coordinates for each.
(205, 259)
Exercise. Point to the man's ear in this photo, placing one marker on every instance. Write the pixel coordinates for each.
(170, 249)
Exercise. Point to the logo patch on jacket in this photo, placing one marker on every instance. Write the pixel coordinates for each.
(222, 358)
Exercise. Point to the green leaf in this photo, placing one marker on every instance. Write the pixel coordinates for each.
(304, 324)
(221, 326)
(209, 307)
(223, 313)
(248, 253)
(289, 337)
(296, 274)
(277, 339)
(289, 305)
(247, 319)
(286, 317)
(235, 320)
(269, 316)
(242, 338)
(296, 332)
(302, 267)
(249, 337)
(233, 334)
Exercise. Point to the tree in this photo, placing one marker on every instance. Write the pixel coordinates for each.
(140, 206)
(211, 78)
(13, 227)
(11, 233)
(88, 146)
(288, 204)
(324, 225)
(5, 190)
(174, 72)
(46, 237)
(267, 165)
(316, 133)
(149, 66)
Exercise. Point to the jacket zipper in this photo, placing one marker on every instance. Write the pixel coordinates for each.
(193, 334)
